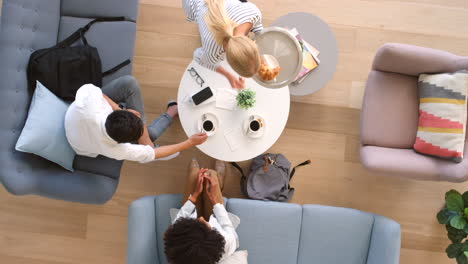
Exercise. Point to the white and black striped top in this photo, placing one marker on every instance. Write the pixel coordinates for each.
(211, 54)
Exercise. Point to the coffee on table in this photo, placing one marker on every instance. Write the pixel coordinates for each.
(208, 125)
(254, 125)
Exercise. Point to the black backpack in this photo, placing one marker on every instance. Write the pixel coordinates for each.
(269, 178)
(64, 68)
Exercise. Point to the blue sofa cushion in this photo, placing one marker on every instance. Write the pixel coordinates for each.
(270, 237)
(104, 8)
(334, 235)
(44, 131)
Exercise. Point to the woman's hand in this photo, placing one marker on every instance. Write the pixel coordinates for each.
(237, 83)
(199, 185)
(210, 186)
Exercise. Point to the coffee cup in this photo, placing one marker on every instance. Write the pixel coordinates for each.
(208, 126)
(255, 124)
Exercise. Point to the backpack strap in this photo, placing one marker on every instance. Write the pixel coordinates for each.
(307, 162)
(116, 68)
(239, 169)
(79, 34)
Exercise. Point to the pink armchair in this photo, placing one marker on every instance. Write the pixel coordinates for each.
(389, 117)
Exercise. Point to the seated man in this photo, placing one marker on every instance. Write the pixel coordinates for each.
(191, 238)
(96, 125)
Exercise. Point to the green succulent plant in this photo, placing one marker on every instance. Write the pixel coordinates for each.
(246, 99)
(454, 216)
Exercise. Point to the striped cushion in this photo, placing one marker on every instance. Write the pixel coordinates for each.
(442, 115)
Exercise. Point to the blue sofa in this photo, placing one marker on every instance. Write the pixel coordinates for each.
(29, 25)
(274, 232)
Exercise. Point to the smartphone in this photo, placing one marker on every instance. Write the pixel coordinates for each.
(202, 96)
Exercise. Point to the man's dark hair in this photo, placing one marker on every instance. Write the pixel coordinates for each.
(191, 241)
(124, 127)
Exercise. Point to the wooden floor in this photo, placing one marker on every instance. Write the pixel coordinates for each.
(322, 127)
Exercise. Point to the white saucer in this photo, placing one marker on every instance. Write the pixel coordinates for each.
(247, 131)
(208, 116)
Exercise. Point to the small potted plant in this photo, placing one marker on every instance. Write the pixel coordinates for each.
(454, 216)
(246, 99)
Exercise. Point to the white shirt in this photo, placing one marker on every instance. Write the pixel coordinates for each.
(219, 221)
(211, 54)
(86, 132)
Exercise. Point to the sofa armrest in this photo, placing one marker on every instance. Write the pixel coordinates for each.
(414, 60)
(141, 232)
(385, 242)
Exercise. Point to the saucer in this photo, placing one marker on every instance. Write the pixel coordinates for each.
(212, 118)
(258, 133)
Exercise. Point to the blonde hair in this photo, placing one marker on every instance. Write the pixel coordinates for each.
(241, 52)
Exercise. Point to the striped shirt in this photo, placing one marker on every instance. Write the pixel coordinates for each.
(211, 54)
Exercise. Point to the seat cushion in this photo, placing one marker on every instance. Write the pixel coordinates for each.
(442, 115)
(44, 131)
(25, 27)
(389, 115)
(113, 40)
(332, 235)
(269, 231)
(101, 8)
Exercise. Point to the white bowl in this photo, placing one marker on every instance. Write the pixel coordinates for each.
(282, 45)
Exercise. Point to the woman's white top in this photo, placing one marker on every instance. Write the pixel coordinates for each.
(219, 221)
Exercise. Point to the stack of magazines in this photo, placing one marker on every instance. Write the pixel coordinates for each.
(310, 59)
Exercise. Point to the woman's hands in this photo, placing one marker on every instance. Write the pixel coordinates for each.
(207, 184)
(199, 186)
(237, 83)
(211, 184)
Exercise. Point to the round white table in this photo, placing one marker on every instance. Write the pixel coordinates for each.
(272, 105)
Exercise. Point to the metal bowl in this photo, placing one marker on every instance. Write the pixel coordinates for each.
(283, 46)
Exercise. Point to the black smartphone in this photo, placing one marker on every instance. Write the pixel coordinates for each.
(202, 96)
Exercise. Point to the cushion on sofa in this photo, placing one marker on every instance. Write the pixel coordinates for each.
(442, 115)
(262, 229)
(44, 131)
(334, 235)
(390, 110)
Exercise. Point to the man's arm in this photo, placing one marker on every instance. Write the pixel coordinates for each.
(164, 151)
(145, 138)
(113, 105)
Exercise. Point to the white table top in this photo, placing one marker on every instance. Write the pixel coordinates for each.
(272, 105)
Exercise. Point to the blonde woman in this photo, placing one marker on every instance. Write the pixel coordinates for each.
(224, 26)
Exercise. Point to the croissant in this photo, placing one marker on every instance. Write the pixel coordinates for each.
(266, 73)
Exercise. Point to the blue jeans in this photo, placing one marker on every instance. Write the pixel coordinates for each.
(126, 91)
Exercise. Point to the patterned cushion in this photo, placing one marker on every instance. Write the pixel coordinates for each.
(442, 115)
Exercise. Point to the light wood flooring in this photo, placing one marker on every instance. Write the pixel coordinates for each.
(323, 127)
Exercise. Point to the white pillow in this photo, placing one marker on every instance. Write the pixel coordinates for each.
(238, 257)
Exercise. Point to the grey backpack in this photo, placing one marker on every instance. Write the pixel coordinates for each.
(269, 178)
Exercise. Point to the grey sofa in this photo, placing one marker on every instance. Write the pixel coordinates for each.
(275, 232)
(28, 25)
